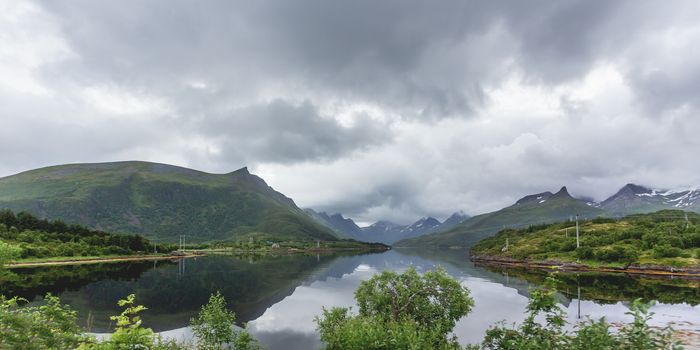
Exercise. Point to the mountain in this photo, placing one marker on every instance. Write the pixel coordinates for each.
(384, 231)
(344, 227)
(160, 201)
(454, 220)
(635, 199)
(388, 232)
(534, 209)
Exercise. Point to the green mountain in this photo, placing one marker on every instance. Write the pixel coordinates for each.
(160, 201)
(534, 209)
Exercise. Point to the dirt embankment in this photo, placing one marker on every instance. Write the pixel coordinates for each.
(691, 272)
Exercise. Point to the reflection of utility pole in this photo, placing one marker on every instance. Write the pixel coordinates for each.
(577, 240)
(578, 287)
(579, 302)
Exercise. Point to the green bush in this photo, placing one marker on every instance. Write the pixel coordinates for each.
(616, 254)
(50, 326)
(593, 335)
(584, 253)
(396, 311)
(666, 251)
(214, 327)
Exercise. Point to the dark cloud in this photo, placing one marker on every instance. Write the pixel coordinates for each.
(390, 109)
(281, 132)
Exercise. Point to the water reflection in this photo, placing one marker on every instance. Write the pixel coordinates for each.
(281, 295)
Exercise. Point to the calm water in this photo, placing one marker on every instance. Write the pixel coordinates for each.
(280, 296)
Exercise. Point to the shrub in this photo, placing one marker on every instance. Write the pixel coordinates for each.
(50, 326)
(399, 309)
(214, 327)
(533, 335)
(584, 253)
(616, 254)
(665, 251)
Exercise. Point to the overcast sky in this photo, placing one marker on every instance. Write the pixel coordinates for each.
(376, 109)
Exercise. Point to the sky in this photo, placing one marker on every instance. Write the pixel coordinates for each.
(390, 110)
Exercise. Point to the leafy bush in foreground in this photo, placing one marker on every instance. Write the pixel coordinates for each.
(53, 326)
(384, 322)
(593, 335)
(405, 311)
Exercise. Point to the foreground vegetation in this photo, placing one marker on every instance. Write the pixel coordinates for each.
(408, 311)
(664, 238)
(396, 311)
(53, 326)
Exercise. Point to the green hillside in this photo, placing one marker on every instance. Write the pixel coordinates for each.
(161, 201)
(667, 238)
(535, 209)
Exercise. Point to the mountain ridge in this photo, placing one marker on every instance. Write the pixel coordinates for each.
(162, 200)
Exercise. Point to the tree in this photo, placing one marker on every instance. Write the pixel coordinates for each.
(214, 327)
(398, 311)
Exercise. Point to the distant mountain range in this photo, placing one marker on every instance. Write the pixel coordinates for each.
(164, 201)
(385, 231)
(160, 201)
(550, 207)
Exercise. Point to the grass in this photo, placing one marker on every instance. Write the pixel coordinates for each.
(636, 239)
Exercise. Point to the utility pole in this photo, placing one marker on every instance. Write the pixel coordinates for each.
(567, 232)
(577, 240)
(687, 223)
(155, 250)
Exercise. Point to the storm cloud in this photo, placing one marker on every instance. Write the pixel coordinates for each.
(379, 110)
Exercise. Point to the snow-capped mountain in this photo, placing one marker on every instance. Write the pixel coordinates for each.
(388, 232)
(632, 199)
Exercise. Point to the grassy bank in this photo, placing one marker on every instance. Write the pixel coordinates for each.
(665, 241)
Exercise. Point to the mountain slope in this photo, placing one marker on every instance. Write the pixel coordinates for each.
(343, 227)
(635, 199)
(159, 200)
(533, 209)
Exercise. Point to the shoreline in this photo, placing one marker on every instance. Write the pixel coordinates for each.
(74, 261)
(192, 254)
(553, 265)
